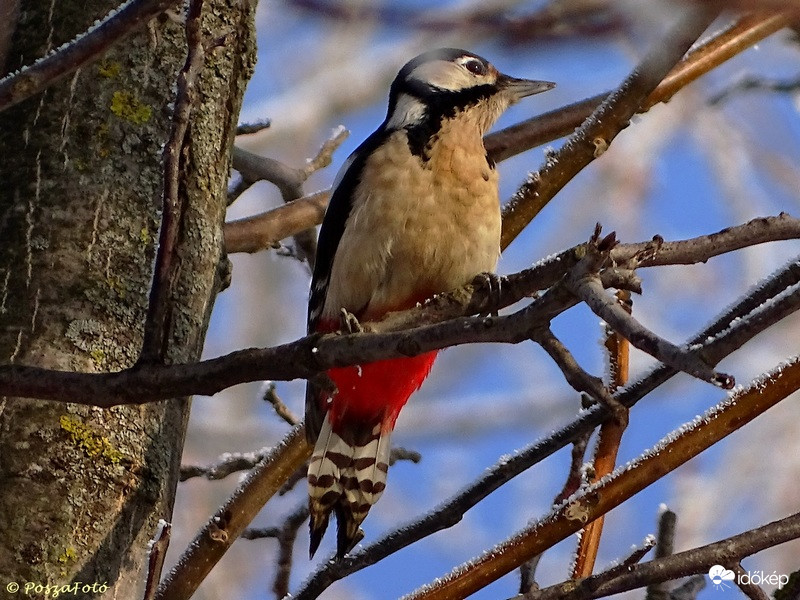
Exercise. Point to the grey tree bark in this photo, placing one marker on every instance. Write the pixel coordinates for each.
(82, 489)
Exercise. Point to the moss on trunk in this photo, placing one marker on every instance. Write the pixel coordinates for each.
(82, 489)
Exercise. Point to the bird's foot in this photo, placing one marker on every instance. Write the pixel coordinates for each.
(494, 287)
(349, 322)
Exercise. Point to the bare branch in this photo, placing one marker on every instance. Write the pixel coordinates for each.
(696, 561)
(589, 288)
(576, 476)
(580, 380)
(313, 354)
(689, 589)
(286, 538)
(594, 581)
(704, 57)
(748, 588)
(84, 50)
(256, 233)
(400, 453)
(226, 465)
(260, 533)
(600, 129)
(551, 21)
(211, 543)
(528, 134)
(250, 128)
(527, 575)
(157, 322)
(158, 551)
(672, 451)
(289, 181)
(665, 546)
(451, 512)
(271, 396)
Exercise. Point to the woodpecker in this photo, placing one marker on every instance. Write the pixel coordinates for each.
(414, 212)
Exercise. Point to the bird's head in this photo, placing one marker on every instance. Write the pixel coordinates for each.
(448, 82)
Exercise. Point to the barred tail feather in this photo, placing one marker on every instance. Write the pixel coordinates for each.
(347, 478)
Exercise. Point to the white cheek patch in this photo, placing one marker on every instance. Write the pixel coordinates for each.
(408, 111)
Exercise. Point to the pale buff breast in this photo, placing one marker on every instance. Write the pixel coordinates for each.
(417, 227)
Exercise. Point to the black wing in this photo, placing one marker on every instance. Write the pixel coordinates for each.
(333, 225)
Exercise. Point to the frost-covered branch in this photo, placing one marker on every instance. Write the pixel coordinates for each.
(85, 49)
(594, 581)
(671, 452)
(600, 129)
(722, 338)
(437, 324)
(264, 231)
(226, 465)
(696, 561)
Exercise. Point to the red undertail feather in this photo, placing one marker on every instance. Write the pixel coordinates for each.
(347, 472)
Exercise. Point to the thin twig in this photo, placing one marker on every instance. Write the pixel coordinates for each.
(449, 513)
(671, 452)
(158, 551)
(589, 288)
(576, 475)
(580, 380)
(665, 546)
(689, 589)
(314, 354)
(250, 128)
(399, 453)
(286, 539)
(690, 562)
(600, 129)
(85, 49)
(283, 411)
(753, 83)
(586, 583)
(289, 181)
(260, 533)
(527, 575)
(749, 589)
(226, 465)
(158, 321)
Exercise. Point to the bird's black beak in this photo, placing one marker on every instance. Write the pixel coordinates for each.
(521, 88)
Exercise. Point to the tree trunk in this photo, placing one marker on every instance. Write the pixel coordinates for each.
(82, 489)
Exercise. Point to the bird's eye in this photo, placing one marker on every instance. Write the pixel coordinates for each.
(476, 67)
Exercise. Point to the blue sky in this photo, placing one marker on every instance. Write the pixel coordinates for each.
(681, 170)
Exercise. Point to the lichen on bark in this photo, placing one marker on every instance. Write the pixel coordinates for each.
(81, 489)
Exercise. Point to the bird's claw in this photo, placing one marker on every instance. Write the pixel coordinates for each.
(494, 287)
(349, 322)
